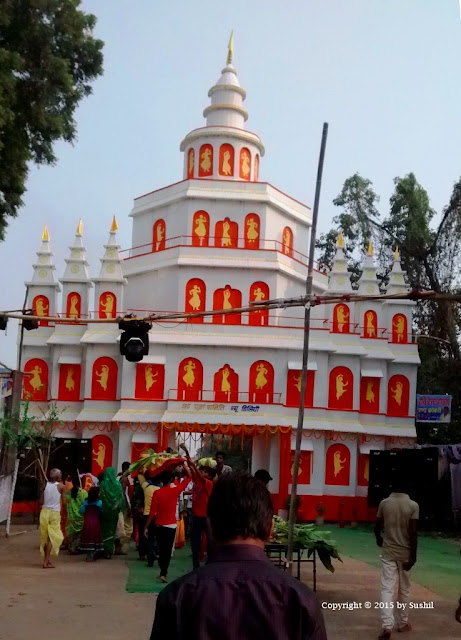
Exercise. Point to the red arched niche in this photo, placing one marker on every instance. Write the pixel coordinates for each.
(107, 305)
(256, 170)
(226, 160)
(259, 291)
(190, 163)
(35, 385)
(341, 389)
(190, 379)
(399, 328)
(398, 396)
(73, 305)
(201, 229)
(226, 234)
(252, 230)
(101, 454)
(104, 379)
(245, 164)
(41, 307)
(261, 383)
(341, 318)
(363, 469)
(69, 382)
(195, 298)
(304, 469)
(369, 394)
(205, 163)
(294, 388)
(158, 235)
(226, 385)
(226, 299)
(370, 324)
(150, 381)
(337, 465)
(287, 241)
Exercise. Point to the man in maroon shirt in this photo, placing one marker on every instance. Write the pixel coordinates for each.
(203, 486)
(239, 594)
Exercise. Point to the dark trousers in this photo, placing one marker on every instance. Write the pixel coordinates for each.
(147, 546)
(165, 541)
(199, 526)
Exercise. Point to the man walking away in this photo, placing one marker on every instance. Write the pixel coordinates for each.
(396, 531)
(239, 594)
(51, 536)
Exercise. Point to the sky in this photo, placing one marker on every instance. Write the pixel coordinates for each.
(385, 75)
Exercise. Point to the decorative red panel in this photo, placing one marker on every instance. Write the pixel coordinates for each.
(190, 163)
(287, 242)
(256, 171)
(226, 160)
(74, 305)
(261, 385)
(107, 305)
(245, 164)
(150, 381)
(158, 236)
(369, 395)
(227, 298)
(41, 307)
(226, 385)
(201, 229)
(337, 465)
(399, 328)
(195, 298)
(190, 379)
(205, 167)
(341, 319)
(259, 291)
(363, 469)
(35, 385)
(294, 388)
(252, 231)
(398, 396)
(69, 382)
(102, 450)
(370, 324)
(305, 465)
(226, 234)
(341, 388)
(104, 379)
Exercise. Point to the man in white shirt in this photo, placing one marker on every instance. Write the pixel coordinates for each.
(51, 536)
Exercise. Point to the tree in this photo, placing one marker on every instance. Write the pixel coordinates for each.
(48, 57)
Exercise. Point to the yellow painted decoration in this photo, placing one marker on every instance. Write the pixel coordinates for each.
(370, 249)
(396, 254)
(230, 48)
(103, 376)
(340, 239)
(149, 377)
(114, 226)
(45, 234)
(100, 455)
(338, 463)
(80, 227)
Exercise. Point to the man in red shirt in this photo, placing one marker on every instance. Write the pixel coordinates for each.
(203, 486)
(163, 510)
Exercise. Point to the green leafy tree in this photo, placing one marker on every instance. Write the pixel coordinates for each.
(48, 57)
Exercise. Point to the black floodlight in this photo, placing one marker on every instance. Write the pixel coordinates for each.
(31, 324)
(134, 341)
(3, 323)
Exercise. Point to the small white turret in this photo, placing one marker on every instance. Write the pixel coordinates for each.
(76, 281)
(368, 282)
(110, 284)
(339, 277)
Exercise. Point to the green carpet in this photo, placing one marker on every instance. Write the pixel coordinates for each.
(439, 562)
(143, 579)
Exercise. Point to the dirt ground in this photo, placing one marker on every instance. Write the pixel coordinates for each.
(84, 600)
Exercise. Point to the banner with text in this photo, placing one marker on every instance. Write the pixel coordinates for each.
(433, 408)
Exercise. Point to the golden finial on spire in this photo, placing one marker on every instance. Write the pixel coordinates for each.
(396, 253)
(114, 226)
(80, 227)
(230, 48)
(370, 249)
(340, 239)
(45, 234)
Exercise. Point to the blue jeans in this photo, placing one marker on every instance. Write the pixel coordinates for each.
(199, 526)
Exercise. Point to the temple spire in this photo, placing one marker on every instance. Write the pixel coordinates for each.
(370, 249)
(230, 48)
(114, 226)
(80, 227)
(45, 234)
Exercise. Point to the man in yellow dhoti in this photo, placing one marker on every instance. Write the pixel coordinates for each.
(51, 536)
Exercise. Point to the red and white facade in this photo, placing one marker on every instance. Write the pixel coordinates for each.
(217, 239)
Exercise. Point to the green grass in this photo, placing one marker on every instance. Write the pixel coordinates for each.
(439, 562)
(143, 579)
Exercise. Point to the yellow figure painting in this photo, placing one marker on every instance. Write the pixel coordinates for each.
(206, 161)
(160, 235)
(245, 164)
(252, 232)
(100, 455)
(342, 317)
(189, 376)
(340, 386)
(397, 393)
(200, 227)
(226, 299)
(261, 379)
(191, 161)
(107, 305)
(338, 463)
(195, 301)
(73, 309)
(370, 326)
(70, 382)
(226, 169)
(225, 386)
(103, 376)
(297, 383)
(150, 377)
(36, 381)
(369, 394)
(287, 241)
(300, 467)
(226, 239)
(399, 326)
(41, 308)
